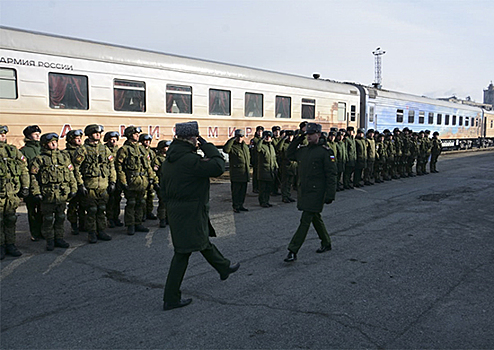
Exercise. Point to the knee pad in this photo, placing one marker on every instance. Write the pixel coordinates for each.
(131, 202)
(101, 207)
(48, 217)
(142, 201)
(60, 216)
(9, 219)
(92, 210)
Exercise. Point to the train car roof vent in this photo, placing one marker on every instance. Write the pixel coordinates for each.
(316, 75)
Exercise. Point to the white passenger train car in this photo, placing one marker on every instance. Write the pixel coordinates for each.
(62, 83)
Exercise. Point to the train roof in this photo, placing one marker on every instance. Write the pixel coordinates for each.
(34, 42)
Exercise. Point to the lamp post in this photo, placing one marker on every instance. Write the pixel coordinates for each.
(378, 79)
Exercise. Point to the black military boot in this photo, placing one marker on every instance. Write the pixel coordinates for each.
(162, 223)
(50, 245)
(2, 252)
(61, 243)
(102, 235)
(151, 216)
(291, 257)
(91, 237)
(75, 228)
(12, 250)
(131, 230)
(111, 223)
(140, 228)
(118, 223)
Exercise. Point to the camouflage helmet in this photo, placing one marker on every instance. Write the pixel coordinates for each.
(163, 143)
(4, 129)
(92, 129)
(45, 138)
(72, 134)
(110, 134)
(395, 130)
(145, 137)
(131, 130)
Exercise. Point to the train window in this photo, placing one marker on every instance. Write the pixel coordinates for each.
(220, 102)
(8, 83)
(399, 115)
(460, 121)
(283, 107)
(68, 91)
(411, 117)
(353, 111)
(439, 118)
(446, 119)
(341, 111)
(492, 124)
(371, 114)
(254, 105)
(431, 118)
(129, 96)
(453, 121)
(178, 99)
(466, 121)
(421, 117)
(308, 108)
(476, 122)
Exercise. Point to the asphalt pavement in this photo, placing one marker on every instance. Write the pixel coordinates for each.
(412, 267)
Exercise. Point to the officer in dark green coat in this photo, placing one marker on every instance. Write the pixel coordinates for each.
(267, 166)
(288, 167)
(31, 149)
(14, 183)
(161, 150)
(316, 186)
(361, 162)
(145, 140)
(75, 211)
(96, 178)
(185, 189)
(253, 157)
(134, 172)
(52, 184)
(351, 152)
(239, 159)
(341, 157)
(113, 207)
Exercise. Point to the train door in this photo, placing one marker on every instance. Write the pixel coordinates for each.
(352, 117)
(372, 117)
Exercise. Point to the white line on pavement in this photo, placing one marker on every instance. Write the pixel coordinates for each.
(13, 265)
(62, 257)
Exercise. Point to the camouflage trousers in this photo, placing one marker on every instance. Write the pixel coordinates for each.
(53, 220)
(113, 205)
(75, 212)
(8, 219)
(95, 206)
(34, 216)
(149, 201)
(135, 206)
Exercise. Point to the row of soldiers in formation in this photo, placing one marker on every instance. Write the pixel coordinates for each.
(89, 175)
(362, 159)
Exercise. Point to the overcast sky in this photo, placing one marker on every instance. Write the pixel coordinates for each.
(435, 48)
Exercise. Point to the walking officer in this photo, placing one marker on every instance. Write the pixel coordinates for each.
(113, 207)
(134, 173)
(30, 150)
(239, 157)
(96, 178)
(14, 183)
(316, 186)
(185, 189)
(52, 184)
(75, 211)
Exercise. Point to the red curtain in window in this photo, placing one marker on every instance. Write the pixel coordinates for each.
(59, 83)
(308, 112)
(219, 102)
(119, 98)
(283, 107)
(182, 101)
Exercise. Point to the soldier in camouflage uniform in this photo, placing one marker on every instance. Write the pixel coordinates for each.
(75, 212)
(390, 155)
(145, 140)
(436, 150)
(398, 143)
(341, 158)
(406, 152)
(30, 150)
(14, 182)
(380, 162)
(414, 153)
(113, 207)
(351, 152)
(287, 166)
(428, 145)
(421, 153)
(361, 161)
(52, 184)
(96, 178)
(371, 157)
(158, 161)
(134, 174)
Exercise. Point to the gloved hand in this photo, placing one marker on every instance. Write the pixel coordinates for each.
(71, 195)
(38, 198)
(24, 192)
(111, 187)
(201, 140)
(82, 190)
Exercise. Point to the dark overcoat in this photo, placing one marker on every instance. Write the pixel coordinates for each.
(184, 179)
(317, 174)
(239, 159)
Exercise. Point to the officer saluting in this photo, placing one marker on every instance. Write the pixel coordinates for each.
(185, 190)
(316, 186)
